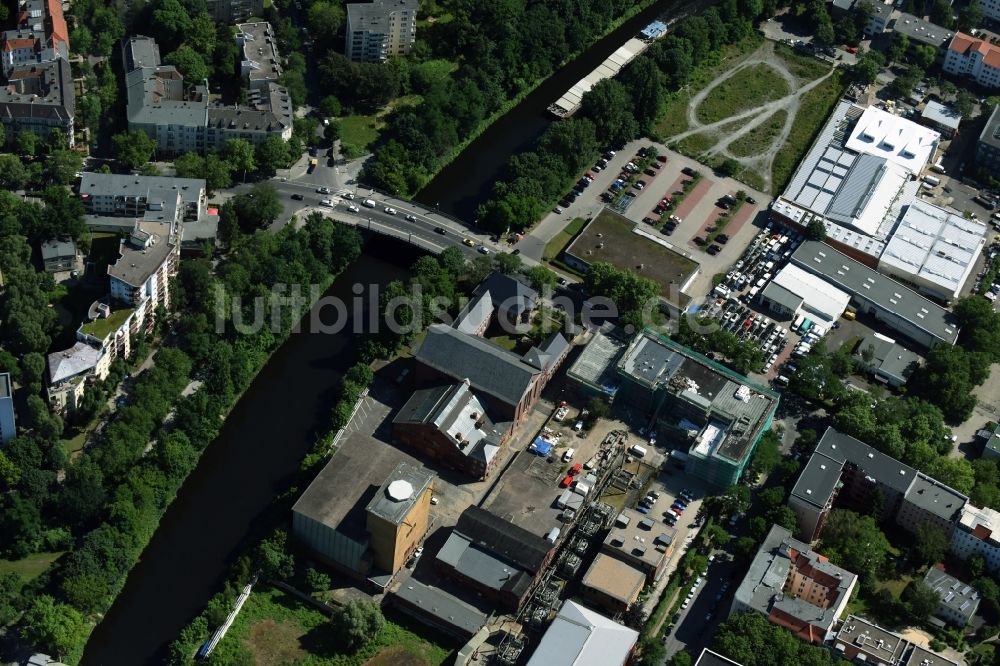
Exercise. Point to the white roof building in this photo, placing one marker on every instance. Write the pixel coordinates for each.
(581, 637)
(819, 297)
(933, 249)
(900, 141)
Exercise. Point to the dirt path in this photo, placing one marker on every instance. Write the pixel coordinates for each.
(762, 161)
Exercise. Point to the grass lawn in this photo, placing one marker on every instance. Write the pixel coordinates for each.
(747, 89)
(814, 108)
(30, 567)
(505, 341)
(277, 629)
(696, 144)
(75, 445)
(559, 242)
(356, 134)
(755, 142)
(433, 70)
(673, 118)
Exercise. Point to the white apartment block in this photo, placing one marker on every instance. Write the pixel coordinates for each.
(381, 29)
(978, 533)
(974, 58)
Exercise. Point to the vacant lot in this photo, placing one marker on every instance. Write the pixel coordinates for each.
(276, 628)
(30, 567)
(754, 113)
(814, 107)
(757, 141)
(748, 88)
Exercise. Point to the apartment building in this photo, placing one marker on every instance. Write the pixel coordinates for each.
(233, 11)
(974, 58)
(147, 261)
(113, 202)
(381, 29)
(988, 146)
(794, 587)
(959, 601)
(181, 118)
(260, 63)
(8, 425)
(848, 472)
(39, 97)
(71, 370)
(40, 35)
(864, 642)
(977, 532)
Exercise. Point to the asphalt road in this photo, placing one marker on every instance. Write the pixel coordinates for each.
(694, 630)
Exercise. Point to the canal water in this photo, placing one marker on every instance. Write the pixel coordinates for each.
(275, 424)
(254, 459)
(463, 185)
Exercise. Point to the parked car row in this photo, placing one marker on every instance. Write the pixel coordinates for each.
(746, 324)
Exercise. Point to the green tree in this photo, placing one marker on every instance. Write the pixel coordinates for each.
(357, 622)
(13, 174)
(330, 106)
(317, 580)
(190, 63)
(608, 105)
(856, 543)
(924, 55)
(825, 33)
(868, 66)
(218, 173)
(964, 101)
(190, 165)
(259, 207)
(26, 143)
(921, 601)
(133, 148)
(540, 277)
(273, 558)
(750, 640)
(506, 263)
(61, 166)
(53, 626)
(173, 23)
(240, 155)
(10, 592)
(971, 17)
(816, 230)
(929, 545)
(272, 154)
(325, 21)
(899, 48)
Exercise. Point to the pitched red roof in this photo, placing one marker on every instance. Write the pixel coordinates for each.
(18, 43)
(58, 32)
(963, 43)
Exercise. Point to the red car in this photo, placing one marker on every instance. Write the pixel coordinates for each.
(852, 49)
(574, 470)
(565, 482)
(677, 512)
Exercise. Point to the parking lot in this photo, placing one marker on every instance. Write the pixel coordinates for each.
(696, 212)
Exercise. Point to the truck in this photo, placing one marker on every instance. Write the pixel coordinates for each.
(937, 167)
(312, 163)
(798, 322)
(933, 181)
(637, 451)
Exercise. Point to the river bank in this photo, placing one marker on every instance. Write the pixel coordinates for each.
(464, 181)
(254, 458)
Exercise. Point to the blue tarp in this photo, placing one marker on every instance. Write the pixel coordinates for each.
(541, 447)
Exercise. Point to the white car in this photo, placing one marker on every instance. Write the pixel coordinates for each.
(327, 203)
(483, 249)
(368, 203)
(323, 190)
(353, 208)
(347, 195)
(390, 210)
